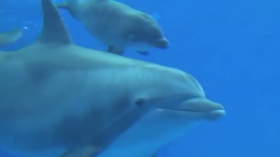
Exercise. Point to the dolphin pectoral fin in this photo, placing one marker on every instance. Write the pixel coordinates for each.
(115, 50)
(88, 150)
(143, 49)
(143, 52)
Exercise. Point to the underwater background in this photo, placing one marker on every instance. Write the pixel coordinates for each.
(232, 47)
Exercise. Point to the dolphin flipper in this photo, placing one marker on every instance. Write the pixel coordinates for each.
(120, 51)
(144, 53)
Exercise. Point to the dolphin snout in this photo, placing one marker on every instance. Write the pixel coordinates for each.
(161, 43)
(202, 108)
(210, 109)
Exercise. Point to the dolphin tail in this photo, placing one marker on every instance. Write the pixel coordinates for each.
(10, 36)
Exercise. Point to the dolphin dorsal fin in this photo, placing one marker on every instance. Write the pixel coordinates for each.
(54, 31)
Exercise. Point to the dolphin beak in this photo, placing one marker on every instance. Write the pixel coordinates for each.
(201, 108)
(161, 43)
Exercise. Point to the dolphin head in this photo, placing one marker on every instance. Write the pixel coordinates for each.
(171, 89)
(146, 30)
(188, 97)
(176, 103)
(179, 92)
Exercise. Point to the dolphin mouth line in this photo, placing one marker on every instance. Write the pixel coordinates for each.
(195, 111)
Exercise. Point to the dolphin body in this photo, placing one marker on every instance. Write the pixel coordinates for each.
(117, 25)
(10, 36)
(61, 100)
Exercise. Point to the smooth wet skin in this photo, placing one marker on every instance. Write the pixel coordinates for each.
(117, 25)
(162, 43)
(58, 99)
(163, 125)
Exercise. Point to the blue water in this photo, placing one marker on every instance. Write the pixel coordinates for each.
(230, 46)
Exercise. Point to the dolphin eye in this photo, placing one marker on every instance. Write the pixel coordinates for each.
(140, 101)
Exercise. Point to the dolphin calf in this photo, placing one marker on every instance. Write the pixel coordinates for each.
(10, 36)
(117, 25)
(58, 99)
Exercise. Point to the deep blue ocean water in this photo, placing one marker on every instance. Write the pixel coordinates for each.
(231, 47)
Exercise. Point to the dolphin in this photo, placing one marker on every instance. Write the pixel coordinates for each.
(58, 99)
(117, 25)
(10, 36)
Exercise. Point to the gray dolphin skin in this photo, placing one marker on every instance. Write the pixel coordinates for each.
(9, 37)
(58, 99)
(161, 126)
(117, 25)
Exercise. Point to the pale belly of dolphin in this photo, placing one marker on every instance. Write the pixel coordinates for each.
(150, 133)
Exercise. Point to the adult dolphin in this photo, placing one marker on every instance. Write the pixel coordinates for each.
(117, 25)
(57, 97)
